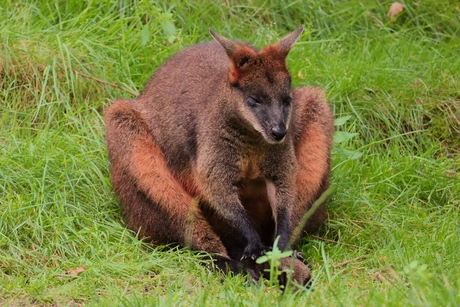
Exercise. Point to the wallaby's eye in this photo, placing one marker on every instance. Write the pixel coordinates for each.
(252, 102)
(244, 61)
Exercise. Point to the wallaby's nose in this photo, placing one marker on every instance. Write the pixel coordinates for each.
(278, 132)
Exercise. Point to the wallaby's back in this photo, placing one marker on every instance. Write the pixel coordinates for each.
(176, 102)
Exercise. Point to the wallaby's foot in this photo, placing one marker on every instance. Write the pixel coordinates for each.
(293, 268)
(301, 273)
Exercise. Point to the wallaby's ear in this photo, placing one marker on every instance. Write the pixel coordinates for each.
(228, 45)
(285, 44)
(241, 56)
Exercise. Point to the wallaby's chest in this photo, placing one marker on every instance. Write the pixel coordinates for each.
(250, 168)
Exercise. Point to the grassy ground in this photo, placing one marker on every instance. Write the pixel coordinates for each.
(393, 235)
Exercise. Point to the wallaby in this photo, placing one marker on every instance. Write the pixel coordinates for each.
(220, 154)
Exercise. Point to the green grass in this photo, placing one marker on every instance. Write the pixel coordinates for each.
(395, 212)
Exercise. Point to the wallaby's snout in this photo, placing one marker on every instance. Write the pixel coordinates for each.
(273, 120)
(279, 132)
(269, 117)
(278, 119)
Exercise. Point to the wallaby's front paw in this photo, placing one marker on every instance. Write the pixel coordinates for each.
(226, 265)
(254, 251)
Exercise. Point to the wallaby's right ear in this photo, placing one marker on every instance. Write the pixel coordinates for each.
(285, 44)
(241, 56)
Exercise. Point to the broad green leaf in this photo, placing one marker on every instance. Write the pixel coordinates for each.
(169, 28)
(145, 35)
(341, 120)
(262, 259)
(341, 136)
(350, 154)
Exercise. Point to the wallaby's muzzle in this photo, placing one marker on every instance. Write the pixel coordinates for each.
(275, 119)
(278, 132)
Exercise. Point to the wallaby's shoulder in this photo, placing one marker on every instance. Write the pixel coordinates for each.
(188, 70)
(205, 56)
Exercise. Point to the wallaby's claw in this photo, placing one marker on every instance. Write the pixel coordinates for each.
(253, 253)
(299, 255)
(249, 256)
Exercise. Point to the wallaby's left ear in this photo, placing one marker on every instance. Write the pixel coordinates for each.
(241, 57)
(285, 44)
(228, 45)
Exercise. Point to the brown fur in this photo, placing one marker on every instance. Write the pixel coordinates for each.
(196, 161)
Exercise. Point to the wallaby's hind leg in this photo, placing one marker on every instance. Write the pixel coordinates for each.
(154, 203)
(313, 141)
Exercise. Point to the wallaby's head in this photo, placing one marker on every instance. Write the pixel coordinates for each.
(265, 82)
